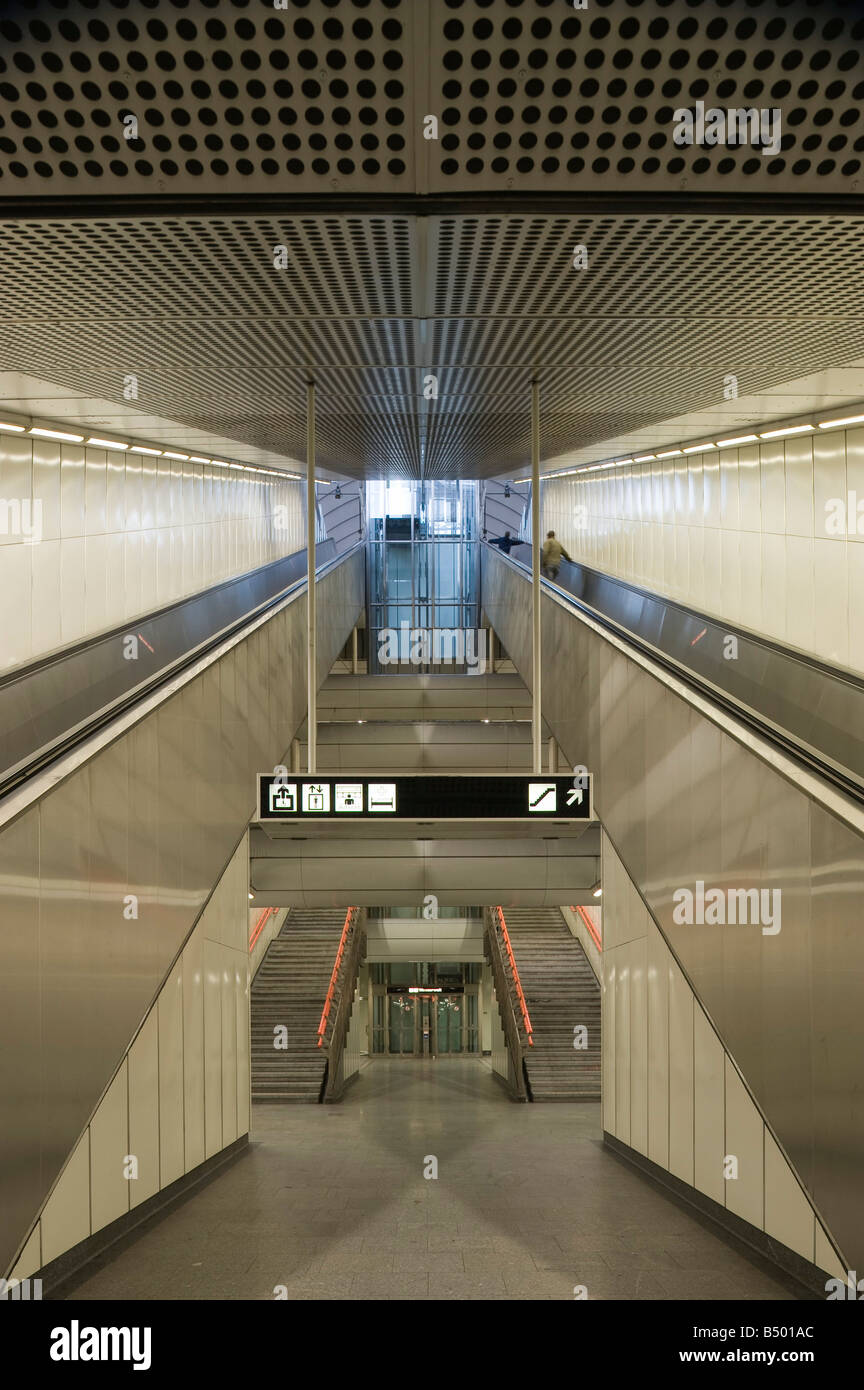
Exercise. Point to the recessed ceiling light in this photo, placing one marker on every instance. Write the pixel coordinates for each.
(196, 458)
(16, 429)
(790, 429)
(107, 443)
(848, 420)
(697, 448)
(143, 449)
(168, 455)
(56, 434)
(644, 458)
(670, 454)
(740, 439)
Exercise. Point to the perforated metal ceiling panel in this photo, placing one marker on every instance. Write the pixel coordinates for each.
(329, 97)
(223, 341)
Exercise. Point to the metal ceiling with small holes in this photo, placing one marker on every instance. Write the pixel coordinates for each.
(332, 96)
(374, 308)
(423, 328)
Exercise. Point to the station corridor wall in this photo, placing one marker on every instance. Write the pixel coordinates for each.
(672, 1092)
(104, 878)
(114, 535)
(684, 801)
(742, 534)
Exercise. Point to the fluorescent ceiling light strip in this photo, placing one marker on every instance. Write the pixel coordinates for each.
(56, 434)
(792, 429)
(779, 433)
(107, 443)
(833, 424)
(96, 441)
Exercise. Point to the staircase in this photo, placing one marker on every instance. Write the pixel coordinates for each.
(289, 989)
(561, 991)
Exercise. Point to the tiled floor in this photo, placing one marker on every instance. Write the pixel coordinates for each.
(331, 1202)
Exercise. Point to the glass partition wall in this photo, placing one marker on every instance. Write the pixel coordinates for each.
(425, 1009)
(422, 578)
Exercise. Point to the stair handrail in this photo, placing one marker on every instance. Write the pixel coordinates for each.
(590, 926)
(504, 996)
(514, 972)
(260, 924)
(343, 982)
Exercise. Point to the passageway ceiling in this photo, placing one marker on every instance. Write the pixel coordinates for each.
(155, 256)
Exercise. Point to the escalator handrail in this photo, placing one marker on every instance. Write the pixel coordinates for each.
(14, 778)
(840, 777)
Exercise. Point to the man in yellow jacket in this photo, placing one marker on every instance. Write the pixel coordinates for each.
(551, 556)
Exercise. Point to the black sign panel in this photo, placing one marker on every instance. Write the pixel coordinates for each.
(294, 797)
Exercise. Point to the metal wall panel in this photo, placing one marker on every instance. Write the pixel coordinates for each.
(786, 1006)
(156, 815)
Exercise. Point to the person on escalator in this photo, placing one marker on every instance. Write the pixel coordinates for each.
(505, 542)
(551, 556)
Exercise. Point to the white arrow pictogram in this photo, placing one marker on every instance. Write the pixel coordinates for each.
(574, 794)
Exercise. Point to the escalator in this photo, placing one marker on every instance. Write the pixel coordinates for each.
(51, 705)
(724, 764)
(127, 786)
(809, 709)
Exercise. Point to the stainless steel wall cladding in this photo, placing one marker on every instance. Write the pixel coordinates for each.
(683, 801)
(811, 708)
(330, 97)
(147, 826)
(50, 704)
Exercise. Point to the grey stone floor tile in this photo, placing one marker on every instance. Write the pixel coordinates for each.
(458, 1286)
(439, 1261)
(404, 1284)
(331, 1202)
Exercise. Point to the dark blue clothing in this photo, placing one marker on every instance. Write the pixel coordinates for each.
(505, 542)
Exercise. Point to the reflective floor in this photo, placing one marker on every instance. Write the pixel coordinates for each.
(331, 1202)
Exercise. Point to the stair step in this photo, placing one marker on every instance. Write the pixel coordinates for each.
(561, 991)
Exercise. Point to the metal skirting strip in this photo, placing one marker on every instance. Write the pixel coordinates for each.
(806, 1277)
(97, 1250)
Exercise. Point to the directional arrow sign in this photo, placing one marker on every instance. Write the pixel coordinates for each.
(456, 796)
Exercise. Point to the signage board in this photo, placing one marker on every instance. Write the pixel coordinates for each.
(474, 796)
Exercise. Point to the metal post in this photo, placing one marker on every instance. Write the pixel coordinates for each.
(354, 650)
(553, 756)
(537, 704)
(311, 654)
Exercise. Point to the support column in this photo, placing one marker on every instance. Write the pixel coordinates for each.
(311, 617)
(537, 704)
(354, 661)
(553, 756)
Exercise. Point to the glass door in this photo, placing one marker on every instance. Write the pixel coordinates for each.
(449, 1024)
(403, 1025)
